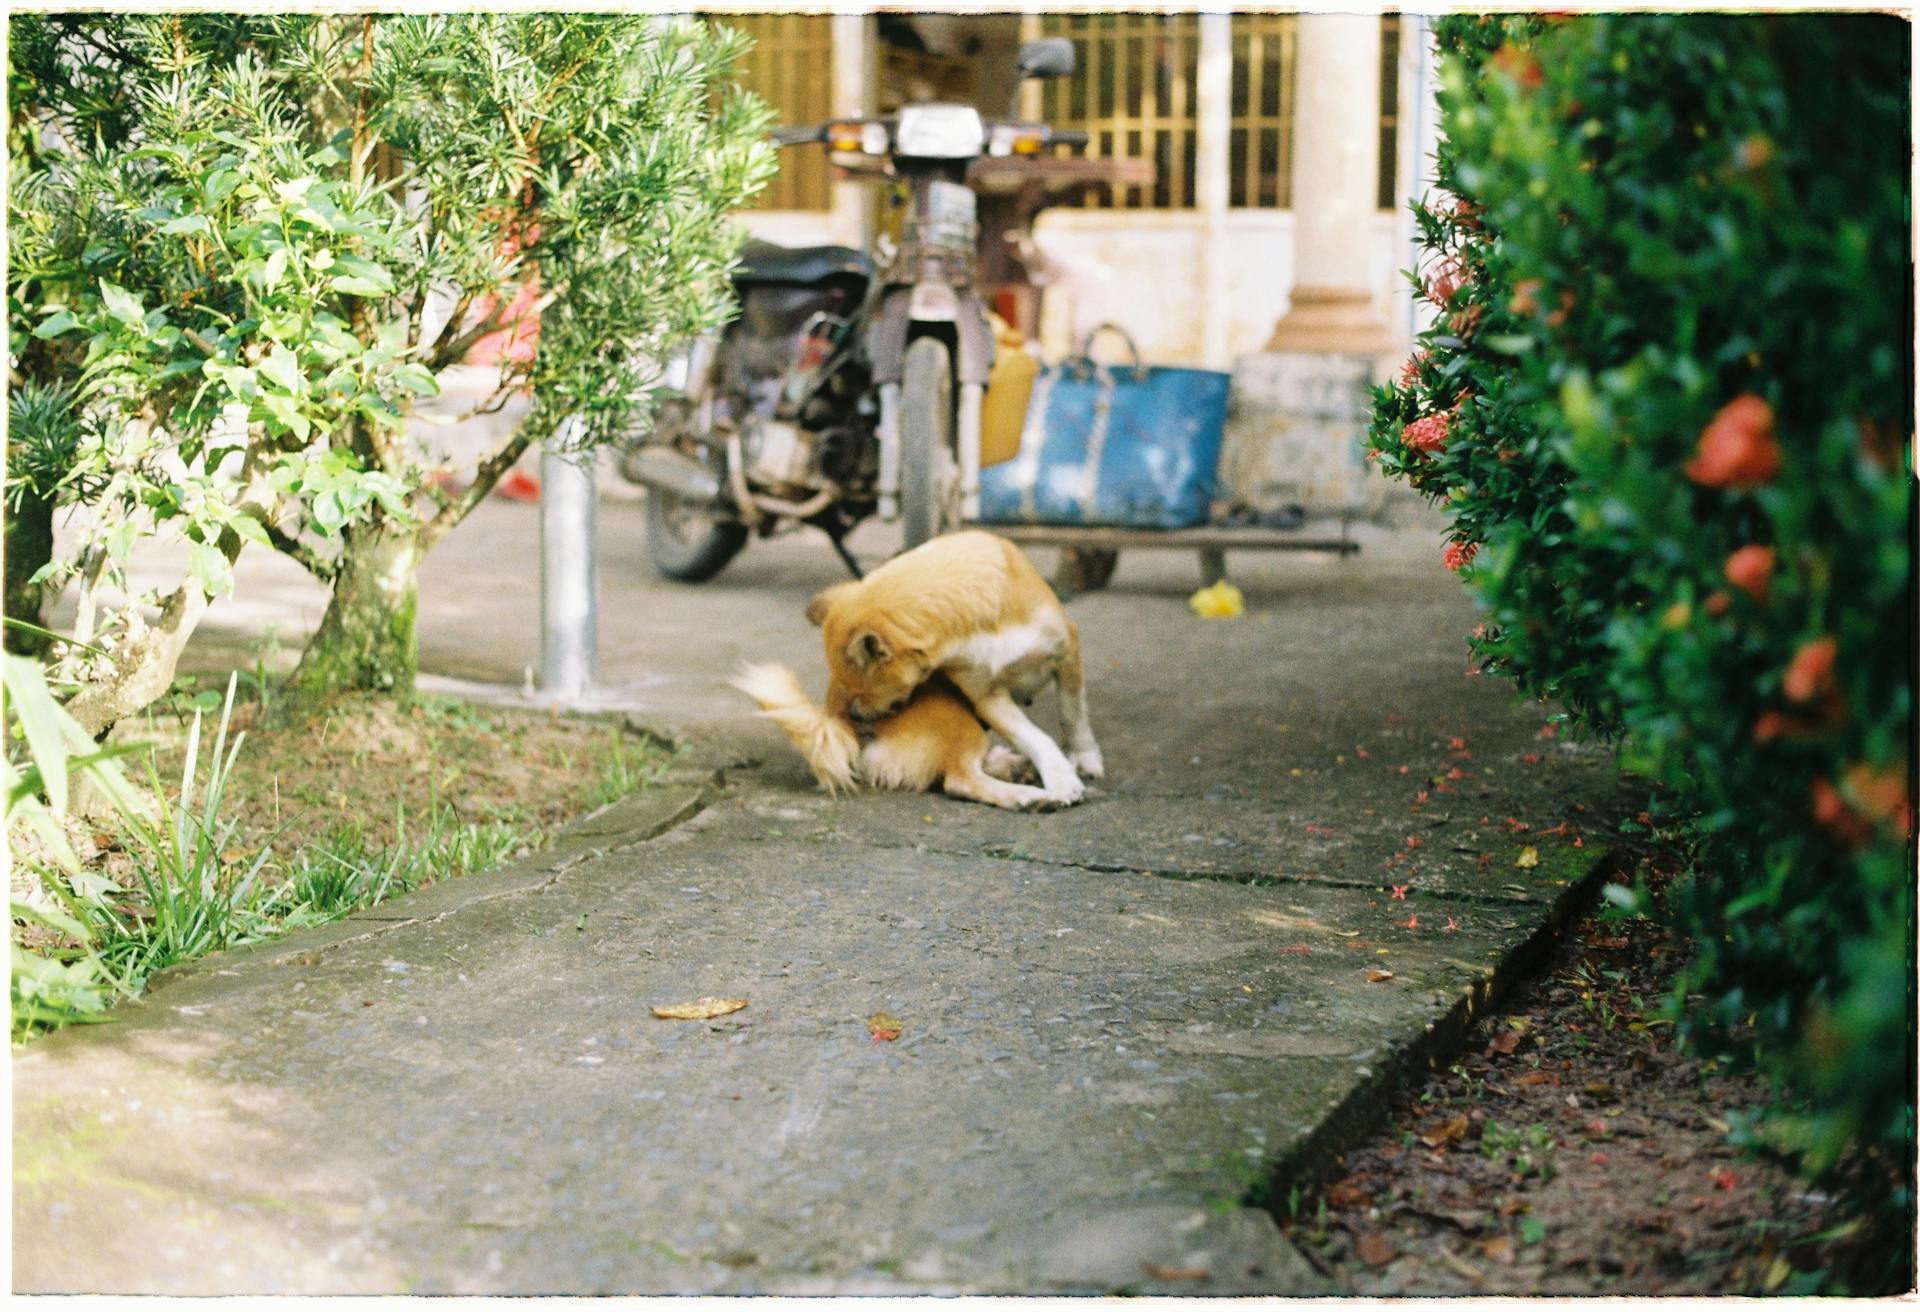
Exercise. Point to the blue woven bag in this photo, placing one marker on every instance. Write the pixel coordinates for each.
(1134, 447)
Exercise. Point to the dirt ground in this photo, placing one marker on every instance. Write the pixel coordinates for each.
(1572, 1150)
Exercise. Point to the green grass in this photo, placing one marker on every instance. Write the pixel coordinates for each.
(195, 888)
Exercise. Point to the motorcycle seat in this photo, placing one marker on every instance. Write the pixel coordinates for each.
(762, 261)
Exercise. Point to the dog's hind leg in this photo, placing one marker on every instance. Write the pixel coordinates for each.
(1084, 751)
(1005, 763)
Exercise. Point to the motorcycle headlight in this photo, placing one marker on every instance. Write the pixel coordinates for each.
(866, 138)
(939, 132)
(1015, 139)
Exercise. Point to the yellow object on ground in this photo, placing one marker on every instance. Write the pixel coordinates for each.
(1222, 601)
(1003, 412)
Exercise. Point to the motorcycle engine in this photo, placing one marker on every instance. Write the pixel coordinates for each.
(779, 454)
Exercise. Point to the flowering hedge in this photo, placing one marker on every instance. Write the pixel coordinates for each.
(1666, 400)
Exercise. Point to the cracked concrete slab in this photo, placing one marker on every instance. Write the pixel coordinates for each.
(1119, 1024)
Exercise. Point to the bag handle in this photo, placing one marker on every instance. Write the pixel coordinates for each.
(1083, 360)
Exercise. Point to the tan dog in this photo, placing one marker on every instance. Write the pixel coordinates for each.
(934, 739)
(971, 606)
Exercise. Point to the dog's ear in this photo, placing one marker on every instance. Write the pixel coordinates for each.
(824, 602)
(867, 649)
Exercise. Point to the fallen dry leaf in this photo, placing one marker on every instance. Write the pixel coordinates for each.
(1175, 1272)
(1445, 1132)
(1377, 976)
(884, 1026)
(704, 1009)
(1498, 1249)
(1346, 1196)
(1374, 1249)
(1529, 858)
(1504, 1042)
(1537, 1077)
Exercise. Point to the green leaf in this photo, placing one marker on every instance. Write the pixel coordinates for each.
(356, 267)
(287, 411)
(220, 184)
(53, 325)
(352, 286)
(282, 367)
(42, 722)
(276, 268)
(187, 223)
(416, 378)
(123, 306)
(210, 569)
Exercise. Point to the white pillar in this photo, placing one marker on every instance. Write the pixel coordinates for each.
(1213, 123)
(855, 74)
(569, 569)
(1336, 153)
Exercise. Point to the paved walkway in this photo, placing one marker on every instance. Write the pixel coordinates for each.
(1119, 1024)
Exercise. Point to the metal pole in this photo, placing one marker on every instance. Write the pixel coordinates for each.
(569, 568)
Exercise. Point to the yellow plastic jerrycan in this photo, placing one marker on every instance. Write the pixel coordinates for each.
(1003, 411)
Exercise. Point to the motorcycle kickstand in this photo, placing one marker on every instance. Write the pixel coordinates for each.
(836, 534)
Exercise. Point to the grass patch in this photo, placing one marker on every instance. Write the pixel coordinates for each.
(360, 800)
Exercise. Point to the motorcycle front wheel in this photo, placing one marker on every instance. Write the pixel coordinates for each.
(929, 471)
(688, 542)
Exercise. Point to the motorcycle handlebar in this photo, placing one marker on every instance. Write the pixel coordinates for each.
(800, 135)
(806, 133)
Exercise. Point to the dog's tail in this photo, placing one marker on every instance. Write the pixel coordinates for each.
(827, 742)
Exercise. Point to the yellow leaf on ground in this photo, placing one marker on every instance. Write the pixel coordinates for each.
(884, 1026)
(1777, 1273)
(704, 1009)
(1529, 858)
(1377, 976)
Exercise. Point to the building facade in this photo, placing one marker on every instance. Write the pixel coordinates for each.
(1270, 242)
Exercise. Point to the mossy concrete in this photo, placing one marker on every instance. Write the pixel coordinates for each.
(1122, 1026)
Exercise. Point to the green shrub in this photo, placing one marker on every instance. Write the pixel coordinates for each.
(1666, 400)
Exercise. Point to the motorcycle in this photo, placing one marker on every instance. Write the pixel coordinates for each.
(849, 384)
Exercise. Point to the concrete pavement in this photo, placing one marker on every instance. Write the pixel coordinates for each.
(1122, 1026)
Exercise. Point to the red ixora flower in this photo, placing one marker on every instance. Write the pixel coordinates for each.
(1410, 372)
(1750, 570)
(1810, 675)
(1843, 824)
(1459, 555)
(1429, 434)
(1737, 450)
(1443, 281)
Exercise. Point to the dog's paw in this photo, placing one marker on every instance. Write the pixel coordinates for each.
(1067, 791)
(1090, 763)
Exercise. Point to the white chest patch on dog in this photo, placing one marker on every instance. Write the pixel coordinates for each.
(1014, 656)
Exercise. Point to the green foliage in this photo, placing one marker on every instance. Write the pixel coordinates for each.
(1666, 399)
(45, 751)
(244, 246)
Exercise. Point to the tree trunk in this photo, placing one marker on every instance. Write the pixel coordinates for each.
(29, 545)
(366, 640)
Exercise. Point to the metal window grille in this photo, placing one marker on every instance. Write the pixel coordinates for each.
(790, 67)
(1389, 110)
(1133, 93)
(1260, 129)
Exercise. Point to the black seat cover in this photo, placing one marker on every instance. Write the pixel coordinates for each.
(762, 261)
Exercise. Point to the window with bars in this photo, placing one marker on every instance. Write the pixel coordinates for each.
(1133, 93)
(790, 67)
(1260, 135)
(1389, 111)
